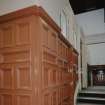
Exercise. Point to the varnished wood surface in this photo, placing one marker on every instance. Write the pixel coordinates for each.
(37, 64)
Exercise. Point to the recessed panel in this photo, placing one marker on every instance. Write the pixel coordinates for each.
(54, 98)
(49, 57)
(45, 35)
(59, 47)
(54, 77)
(52, 42)
(45, 76)
(6, 35)
(47, 99)
(23, 32)
(24, 100)
(7, 99)
(49, 76)
(49, 38)
(0, 100)
(23, 77)
(6, 78)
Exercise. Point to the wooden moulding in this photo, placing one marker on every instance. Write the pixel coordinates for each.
(37, 11)
(68, 43)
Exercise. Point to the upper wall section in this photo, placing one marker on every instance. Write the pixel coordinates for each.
(96, 54)
(96, 49)
(92, 22)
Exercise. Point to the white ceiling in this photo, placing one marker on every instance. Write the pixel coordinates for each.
(92, 23)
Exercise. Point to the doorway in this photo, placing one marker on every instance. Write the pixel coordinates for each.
(96, 75)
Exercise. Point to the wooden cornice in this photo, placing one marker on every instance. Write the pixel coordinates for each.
(37, 11)
(44, 15)
(61, 36)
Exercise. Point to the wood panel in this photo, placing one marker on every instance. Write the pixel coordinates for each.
(7, 99)
(15, 69)
(6, 75)
(23, 76)
(7, 35)
(57, 73)
(37, 64)
(23, 28)
(23, 99)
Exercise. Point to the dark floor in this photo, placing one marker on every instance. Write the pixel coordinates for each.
(92, 90)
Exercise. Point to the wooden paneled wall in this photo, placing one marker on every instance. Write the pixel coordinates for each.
(38, 66)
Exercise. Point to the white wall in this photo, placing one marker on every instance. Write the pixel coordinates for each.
(92, 22)
(97, 54)
(96, 49)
